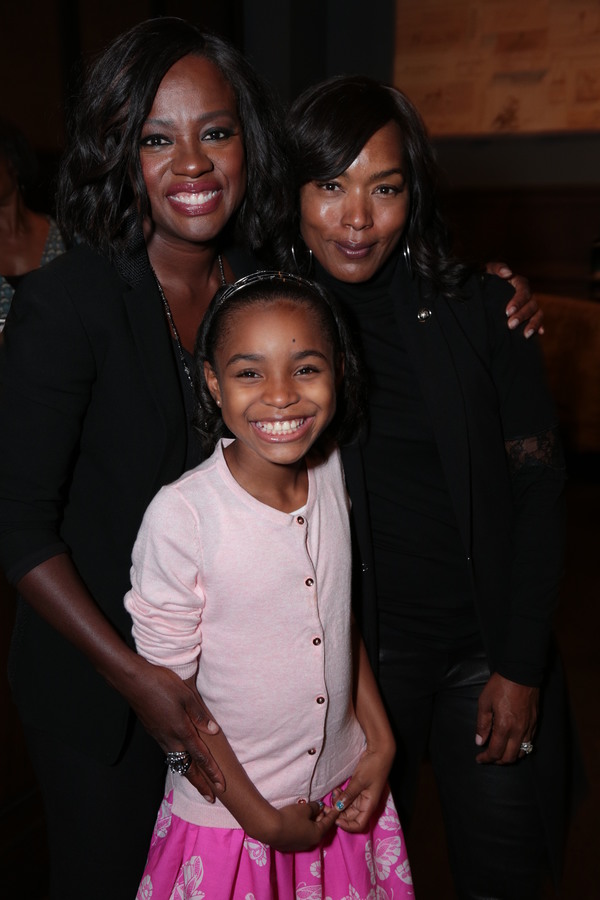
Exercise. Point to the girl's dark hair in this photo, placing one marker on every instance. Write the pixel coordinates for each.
(330, 123)
(18, 152)
(101, 193)
(263, 289)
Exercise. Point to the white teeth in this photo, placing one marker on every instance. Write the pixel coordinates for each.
(194, 199)
(280, 427)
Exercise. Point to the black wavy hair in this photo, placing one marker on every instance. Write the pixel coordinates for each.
(262, 289)
(330, 123)
(101, 193)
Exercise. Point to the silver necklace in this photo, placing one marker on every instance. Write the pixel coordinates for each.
(171, 321)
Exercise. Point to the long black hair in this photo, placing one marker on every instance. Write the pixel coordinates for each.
(330, 123)
(262, 289)
(101, 193)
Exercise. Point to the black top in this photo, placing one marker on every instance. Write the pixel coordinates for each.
(495, 432)
(422, 575)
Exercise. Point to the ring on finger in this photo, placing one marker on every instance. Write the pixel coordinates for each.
(179, 761)
(526, 747)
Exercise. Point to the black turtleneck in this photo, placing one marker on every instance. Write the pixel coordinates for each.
(423, 584)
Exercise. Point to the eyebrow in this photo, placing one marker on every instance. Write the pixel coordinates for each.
(386, 173)
(258, 357)
(214, 114)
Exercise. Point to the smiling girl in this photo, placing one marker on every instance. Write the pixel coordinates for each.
(241, 581)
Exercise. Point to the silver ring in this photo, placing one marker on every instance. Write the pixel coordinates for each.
(179, 761)
(527, 747)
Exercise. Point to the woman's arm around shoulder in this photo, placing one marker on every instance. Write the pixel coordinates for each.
(523, 308)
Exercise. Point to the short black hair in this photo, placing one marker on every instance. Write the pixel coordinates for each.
(330, 123)
(264, 288)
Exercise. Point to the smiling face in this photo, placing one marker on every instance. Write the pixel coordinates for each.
(192, 154)
(354, 222)
(275, 380)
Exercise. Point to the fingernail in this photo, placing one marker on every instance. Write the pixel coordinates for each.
(478, 740)
(212, 727)
(504, 272)
(339, 805)
(529, 333)
(511, 310)
(512, 323)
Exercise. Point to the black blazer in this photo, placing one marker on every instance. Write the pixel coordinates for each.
(92, 424)
(482, 385)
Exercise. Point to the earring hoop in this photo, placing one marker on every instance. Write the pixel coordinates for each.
(296, 264)
(406, 255)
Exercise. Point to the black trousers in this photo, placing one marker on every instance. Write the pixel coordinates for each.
(99, 818)
(494, 827)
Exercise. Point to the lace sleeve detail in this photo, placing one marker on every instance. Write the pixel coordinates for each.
(535, 450)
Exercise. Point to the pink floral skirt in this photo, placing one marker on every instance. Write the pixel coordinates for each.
(189, 861)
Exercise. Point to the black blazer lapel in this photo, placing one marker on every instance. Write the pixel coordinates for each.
(425, 324)
(157, 359)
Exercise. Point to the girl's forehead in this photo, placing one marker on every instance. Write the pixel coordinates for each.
(273, 321)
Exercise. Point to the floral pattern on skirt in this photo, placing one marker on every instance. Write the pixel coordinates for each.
(192, 862)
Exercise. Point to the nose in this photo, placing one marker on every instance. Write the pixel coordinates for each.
(191, 159)
(357, 212)
(280, 392)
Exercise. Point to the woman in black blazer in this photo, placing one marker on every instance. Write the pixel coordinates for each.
(173, 175)
(461, 479)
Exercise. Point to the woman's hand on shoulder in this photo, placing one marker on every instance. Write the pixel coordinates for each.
(523, 308)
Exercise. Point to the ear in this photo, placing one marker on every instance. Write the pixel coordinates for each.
(212, 383)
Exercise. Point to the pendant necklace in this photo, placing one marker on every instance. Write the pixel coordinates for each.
(171, 321)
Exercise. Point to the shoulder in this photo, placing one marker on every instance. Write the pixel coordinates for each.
(479, 311)
(80, 272)
(242, 260)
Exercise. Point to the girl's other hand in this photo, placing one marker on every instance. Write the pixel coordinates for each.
(362, 796)
(523, 308)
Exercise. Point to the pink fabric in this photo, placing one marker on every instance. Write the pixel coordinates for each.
(261, 600)
(191, 862)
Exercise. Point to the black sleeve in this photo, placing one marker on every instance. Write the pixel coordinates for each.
(537, 475)
(48, 374)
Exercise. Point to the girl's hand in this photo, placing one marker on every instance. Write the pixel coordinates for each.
(362, 796)
(523, 308)
(300, 826)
